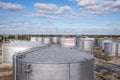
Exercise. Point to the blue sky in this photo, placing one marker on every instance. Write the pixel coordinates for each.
(60, 17)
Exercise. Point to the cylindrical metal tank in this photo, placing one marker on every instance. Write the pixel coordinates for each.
(8, 50)
(68, 42)
(15, 41)
(59, 40)
(39, 39)
(99, 42)
(46, 40)
(102, 41)
(86, 44)
(53, 64)
(55, 40)
(87, 38)
(110, 48)
(118, 49)
(33, 39)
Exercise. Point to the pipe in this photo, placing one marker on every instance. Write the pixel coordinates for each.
(98, 69)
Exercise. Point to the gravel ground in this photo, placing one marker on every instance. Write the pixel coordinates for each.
(6, 78)
(111, 74)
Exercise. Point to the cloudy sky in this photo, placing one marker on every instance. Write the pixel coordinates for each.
(60, 17)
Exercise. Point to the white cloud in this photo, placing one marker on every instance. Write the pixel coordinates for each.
(87, 2)
(11, 6)
(113, 24)
(39, 15)
(1, 14)
(52, 8)
(98, 6)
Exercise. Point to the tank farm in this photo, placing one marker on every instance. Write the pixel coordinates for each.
(59, 58)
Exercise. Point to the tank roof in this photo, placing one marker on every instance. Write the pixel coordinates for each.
(56, 55)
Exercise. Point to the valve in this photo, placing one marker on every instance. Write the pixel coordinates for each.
(28, 68)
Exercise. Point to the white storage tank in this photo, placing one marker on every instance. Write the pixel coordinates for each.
(53, 64)
(55, 40)
(33, 39)
(102, 41)
(86, 43)
(39, 39)
(46, 40)
(110, 48)
(87, 38)
(68, 42)
(118, 49)
(15, 41)
(9, 49)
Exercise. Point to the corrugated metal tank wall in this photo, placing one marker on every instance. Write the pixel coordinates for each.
(46, 40)
(39, 39)
(86, 43)
(33, 39)
(8, 50)
(68, 42)
(102, 41)
(118, 52)
(54, 64)
(87, 38)
(55, 40)
(110, 48)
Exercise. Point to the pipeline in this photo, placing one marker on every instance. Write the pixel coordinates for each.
(98, 69)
